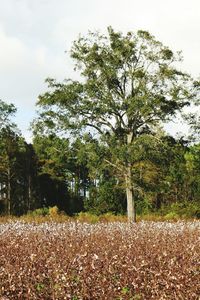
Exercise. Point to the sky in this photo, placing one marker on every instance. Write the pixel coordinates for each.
(36, 37)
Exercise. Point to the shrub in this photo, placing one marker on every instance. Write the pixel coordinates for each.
(44, 211)
(186, 209)
(87, 217)
(110, 217)
(53, 211)
(171, 216)
(107, 197)
(143, 206)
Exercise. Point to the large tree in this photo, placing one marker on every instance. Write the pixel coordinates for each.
(7, 132)
(128, 85)
(17, 166)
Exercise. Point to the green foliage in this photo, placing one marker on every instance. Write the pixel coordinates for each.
(110, 217)
(18, 172)
(107, 196)
(143, 206)
(44, 211)
(113, 143)
(63, 172)
(187, 209)
(131, 85)
(184, 209)
(6, 112)
(40, 287)
(125, 290)
(87, 217)
(53, 153)
(171, 216)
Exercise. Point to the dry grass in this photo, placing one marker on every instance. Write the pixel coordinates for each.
(85, 217)
(74, 260)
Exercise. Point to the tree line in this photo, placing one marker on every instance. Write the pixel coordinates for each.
(98, 143)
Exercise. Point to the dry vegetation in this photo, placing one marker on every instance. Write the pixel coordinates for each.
(74, 260)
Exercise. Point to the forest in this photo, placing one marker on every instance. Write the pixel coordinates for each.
(98, 142)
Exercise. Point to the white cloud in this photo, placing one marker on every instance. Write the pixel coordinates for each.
(23, 70)
(12, 52)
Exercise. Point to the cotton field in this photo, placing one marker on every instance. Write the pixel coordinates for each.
(73, 260)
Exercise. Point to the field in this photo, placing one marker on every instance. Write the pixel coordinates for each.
(73, 260)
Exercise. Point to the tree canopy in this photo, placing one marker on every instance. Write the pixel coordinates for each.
(129, 85)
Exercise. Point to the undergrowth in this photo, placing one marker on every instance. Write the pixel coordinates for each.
(173, 212)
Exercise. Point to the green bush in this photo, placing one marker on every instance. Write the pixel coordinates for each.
(181, 209)
(107, 197)
(87, 217)
(143, 206)
(44, 211)
(186, 209)
(171, 216)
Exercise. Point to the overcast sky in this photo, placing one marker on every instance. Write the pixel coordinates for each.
(34, 35)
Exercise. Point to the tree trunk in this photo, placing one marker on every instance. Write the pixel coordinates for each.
(9, 193)
(29, 193)
(131, 213)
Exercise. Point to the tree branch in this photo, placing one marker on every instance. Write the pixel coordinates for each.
(95, 127)
(114, 165)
